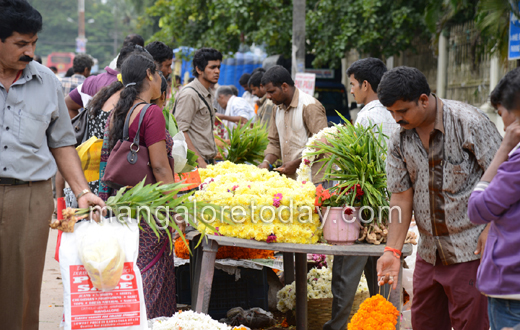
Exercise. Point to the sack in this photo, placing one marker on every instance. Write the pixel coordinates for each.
(80, 125)
(129, 162)
(86, 307)
(90, 155)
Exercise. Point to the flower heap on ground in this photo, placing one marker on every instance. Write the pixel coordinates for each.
(318, 287)
(263, 205)
(304, 172)
(190, 320)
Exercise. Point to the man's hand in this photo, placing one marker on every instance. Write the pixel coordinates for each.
(90, 199)
(289, 168)
(388, 269)
(263, 164)
(481, 244)
(201, 163)
(512, 137)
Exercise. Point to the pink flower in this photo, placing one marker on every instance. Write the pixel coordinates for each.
(271, 238)
(277, 200)
(306, 161)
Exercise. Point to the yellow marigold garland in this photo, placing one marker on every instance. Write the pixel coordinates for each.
(375, 313)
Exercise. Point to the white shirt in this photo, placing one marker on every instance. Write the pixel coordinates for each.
(238, 106)
(250, 98)
(375, 113)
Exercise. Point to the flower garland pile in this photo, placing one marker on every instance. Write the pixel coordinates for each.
(190, 320)
(318, 287)
(375, 313)
(304, 172)
(285, 204)
(226, 252)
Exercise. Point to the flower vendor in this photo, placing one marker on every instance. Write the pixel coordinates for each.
(297, 117)
(496, 201)
(364, 75)
(433, 163)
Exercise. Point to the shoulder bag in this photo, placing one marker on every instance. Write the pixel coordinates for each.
(129, 162)
(80, 125)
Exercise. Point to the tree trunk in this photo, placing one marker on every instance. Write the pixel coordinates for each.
(298, 37)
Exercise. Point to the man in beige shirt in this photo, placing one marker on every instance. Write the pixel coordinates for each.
(297, 117)
(193, 108)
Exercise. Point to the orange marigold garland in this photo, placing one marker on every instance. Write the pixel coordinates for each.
(375, 313)
(226, 252)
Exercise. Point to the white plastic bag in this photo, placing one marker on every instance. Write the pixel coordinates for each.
(86, 307)
(179, 152)
(102, 255)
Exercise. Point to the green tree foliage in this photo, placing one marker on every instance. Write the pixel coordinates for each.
(374, 27)
(379, 28)
(111, 18)
(225, 24)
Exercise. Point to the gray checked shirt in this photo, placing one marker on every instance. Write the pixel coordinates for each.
(462, 145)
(33, 119)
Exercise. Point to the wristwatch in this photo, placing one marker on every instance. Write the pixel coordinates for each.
(83, 192)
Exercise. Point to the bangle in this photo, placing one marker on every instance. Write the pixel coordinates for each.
(82, 193)
(267, 161)
(396, 252)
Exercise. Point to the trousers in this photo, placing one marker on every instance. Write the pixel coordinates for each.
(25, 213)
(346, 274)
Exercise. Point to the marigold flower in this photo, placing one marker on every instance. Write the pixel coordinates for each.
(375, 313)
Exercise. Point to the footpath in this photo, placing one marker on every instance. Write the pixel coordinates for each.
(51, 305)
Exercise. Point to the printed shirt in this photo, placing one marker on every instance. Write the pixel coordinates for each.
(265, 111)
(33, 119)
(70, 83)
(292, 126)
(374, 113)
(194, 118)
(462, 145)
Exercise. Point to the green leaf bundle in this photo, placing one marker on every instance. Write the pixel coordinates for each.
(247, 143)
(356, 155)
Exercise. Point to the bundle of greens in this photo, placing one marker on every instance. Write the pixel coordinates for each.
(156, 204)
(173, 129)
(247, 143)
(355, 157)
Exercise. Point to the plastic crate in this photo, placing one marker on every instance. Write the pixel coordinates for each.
(249, 291)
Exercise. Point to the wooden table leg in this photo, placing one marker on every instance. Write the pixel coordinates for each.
(288, 274)
(301, 291)
(396, 296)
(204, 276)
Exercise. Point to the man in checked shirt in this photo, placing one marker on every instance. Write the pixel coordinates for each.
(433, 164)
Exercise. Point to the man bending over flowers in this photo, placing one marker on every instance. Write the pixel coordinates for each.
(297, 117)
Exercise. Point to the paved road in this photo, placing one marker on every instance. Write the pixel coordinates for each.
(51, 306)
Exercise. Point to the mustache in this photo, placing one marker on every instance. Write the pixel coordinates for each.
(25, 58)
(403, 122)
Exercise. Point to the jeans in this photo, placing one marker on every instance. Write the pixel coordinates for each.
(503, 313)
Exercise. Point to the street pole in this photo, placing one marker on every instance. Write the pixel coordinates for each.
(81, 41)
(298, 37)
(442, 66)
